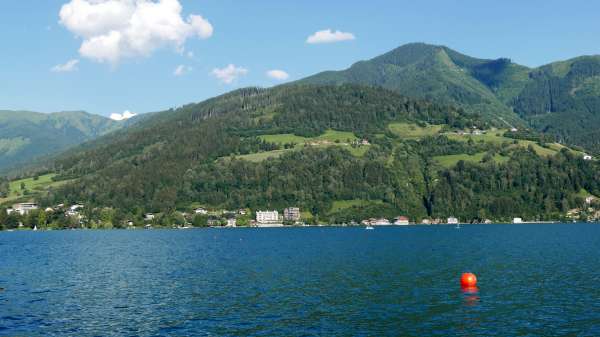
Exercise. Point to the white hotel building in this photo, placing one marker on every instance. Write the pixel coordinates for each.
(266, 217)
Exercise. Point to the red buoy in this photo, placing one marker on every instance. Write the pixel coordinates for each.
(468, 280)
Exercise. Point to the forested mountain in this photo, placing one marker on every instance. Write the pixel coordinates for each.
(422, 131)
(25, 135)
(560, 99)
(340, 153)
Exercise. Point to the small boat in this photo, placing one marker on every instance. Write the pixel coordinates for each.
(35, 228)
(369, 227)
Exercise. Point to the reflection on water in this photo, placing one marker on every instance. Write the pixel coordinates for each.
(302, 281)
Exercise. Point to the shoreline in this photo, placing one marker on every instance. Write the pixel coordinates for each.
(304, 226)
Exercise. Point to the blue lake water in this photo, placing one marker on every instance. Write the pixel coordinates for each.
(534, 280)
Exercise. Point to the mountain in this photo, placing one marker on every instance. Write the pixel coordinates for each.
(25, 135)
(439, 74)
(561, 99)
(340, 153)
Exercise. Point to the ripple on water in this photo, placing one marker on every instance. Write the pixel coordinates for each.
(533, 280)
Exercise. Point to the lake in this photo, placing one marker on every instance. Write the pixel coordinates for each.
(534, 280)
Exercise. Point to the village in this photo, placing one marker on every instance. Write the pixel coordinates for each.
(76, 217)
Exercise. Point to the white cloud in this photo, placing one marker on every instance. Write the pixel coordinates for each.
(70, 66)
(279, 75)
(329, 36)
(121, 117)
(116, 29)
(181, 70)
(229, 74)
(190, 54)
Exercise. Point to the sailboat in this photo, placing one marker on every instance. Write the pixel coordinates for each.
(369, 227)
(35, 228)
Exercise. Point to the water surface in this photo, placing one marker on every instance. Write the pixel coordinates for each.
(534, 280)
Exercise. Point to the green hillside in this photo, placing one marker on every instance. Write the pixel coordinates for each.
(440, 74)
(561, 99)
(25, 135)
(340, 153)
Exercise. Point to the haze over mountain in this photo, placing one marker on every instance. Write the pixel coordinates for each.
(25, 135)
(562, 98)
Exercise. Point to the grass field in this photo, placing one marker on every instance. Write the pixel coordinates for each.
(497, 138)
(42, 183)
(329, 138)
(406, 130)
(341, 205)
(260, 156)
(451, 160)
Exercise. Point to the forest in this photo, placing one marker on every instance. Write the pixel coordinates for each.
(196, 155)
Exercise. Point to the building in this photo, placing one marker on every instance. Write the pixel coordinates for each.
(24, 208)
(587, 157)
(590, 199)
(401, 221)
(266, 217)
(291, 214)
(517, 220)
(200, 211)
(514, 130)
(149, 217)
(426, 222)
(231, 222)
(452, 221)
(382, 222)
(76, 207)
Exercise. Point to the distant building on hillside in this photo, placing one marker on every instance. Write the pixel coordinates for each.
(149, 217)
(401, 221)
(231, 222)
(291, 214)
(590, 199)
(587, 157)
(200, 211)
(25, 208)
(517, 220)
(267, 217)
(452, 221)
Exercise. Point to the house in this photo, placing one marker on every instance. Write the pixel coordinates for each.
(487, 221)
(587, 157)
(401, 221)
(200, 211)
(242, 211)
(266, 217)
(291, 214)
(590, 199)
(9, 211)
(364, 142)
(517, 220)
(514, 130)
(76, 207)
(382, 222)
(426, 222)
(231, 222)
(148, 216)
(452, 221)
(25, 208)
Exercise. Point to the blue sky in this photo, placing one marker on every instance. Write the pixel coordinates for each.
(259, 36)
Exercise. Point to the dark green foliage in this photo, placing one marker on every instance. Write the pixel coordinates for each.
(188, 155)
(527, 186)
